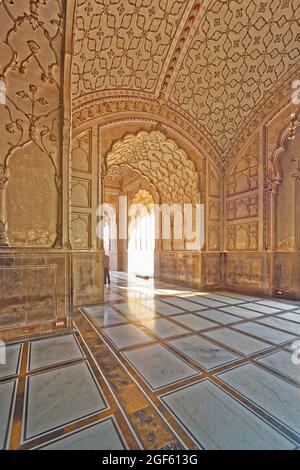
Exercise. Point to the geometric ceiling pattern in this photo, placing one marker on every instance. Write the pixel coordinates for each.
(215, 63)
(122, 44)
(240, 50)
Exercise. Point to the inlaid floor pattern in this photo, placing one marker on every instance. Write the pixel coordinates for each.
(158, 366)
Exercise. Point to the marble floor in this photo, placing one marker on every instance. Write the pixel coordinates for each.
(158, 366)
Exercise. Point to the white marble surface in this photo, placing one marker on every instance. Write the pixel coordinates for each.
(261, 308)
(218, 421)
(295, 317)
(241, 312)
(60, 396)
(263, 332)
(271, 393)
(279, 305)
(101, 436)
(204, 352)
(12, 361)
(127, 335)
(50, 351)
(282, 362)
(164, 328)
(134, 311)
(161, 307)
(183, 304)
(224, 299)
(107, 317)
(205, 302)
(194, 322)
(6, 398)
(158, 366)
(219, 317)
(237, 341)
(242, 297)
(282, 324)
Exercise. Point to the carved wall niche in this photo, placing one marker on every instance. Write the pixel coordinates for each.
(242, 237)
(288, 199)
(242, 208)
(80, 230)
(244, 178)
(32, 203)
(214, 238)
(31, 120)
(84, 190)
(244, 175)
(81, 192)
(81, 152)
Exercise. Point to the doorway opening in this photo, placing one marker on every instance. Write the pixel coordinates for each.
(141, 235)
(110, 242)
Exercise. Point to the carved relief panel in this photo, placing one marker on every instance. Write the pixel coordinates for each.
(82, 185)
(288, 199)
(243, 212)
(31, 43)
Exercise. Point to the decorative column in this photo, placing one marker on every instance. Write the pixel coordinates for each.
(3, 214)
(272, 188)
(102, 176)
(297, 208)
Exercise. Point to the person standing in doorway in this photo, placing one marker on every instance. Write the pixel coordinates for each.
(106, 269)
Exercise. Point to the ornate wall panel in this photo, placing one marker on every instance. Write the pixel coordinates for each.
(249, 272)
(244, 191)
(83, 190)
(82, 152)
(34, 292)
(86, 193)
(183, 267)
(31, 120)
(288, 214)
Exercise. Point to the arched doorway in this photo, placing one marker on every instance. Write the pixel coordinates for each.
(110, 242)
(141, 235)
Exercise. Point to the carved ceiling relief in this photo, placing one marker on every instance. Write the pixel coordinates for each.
(163, 162)
(241, 50)
(30, 120)
(122, 44)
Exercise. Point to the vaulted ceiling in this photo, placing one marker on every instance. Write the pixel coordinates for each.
(215, 62)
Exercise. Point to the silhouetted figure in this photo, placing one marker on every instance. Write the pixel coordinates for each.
(106, 269)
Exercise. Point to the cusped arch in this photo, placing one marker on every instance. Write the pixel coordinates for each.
(166, 165)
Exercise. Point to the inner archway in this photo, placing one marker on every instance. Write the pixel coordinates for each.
(141, 235)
